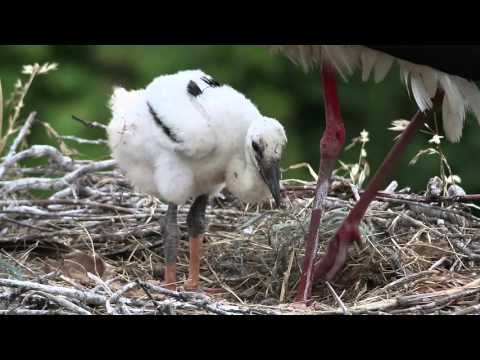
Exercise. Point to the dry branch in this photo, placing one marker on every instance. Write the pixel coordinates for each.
(21, 135)
(37, 151)
(54, 184)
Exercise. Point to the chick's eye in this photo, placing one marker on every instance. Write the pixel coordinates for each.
(255, 147)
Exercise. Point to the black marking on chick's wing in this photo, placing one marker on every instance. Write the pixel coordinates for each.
(164, 127)
(210, 82)
(193, 89)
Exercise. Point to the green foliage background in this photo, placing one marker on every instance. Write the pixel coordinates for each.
(86, 75)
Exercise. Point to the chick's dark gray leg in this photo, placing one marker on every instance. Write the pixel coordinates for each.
(197, 225)
(171, 236)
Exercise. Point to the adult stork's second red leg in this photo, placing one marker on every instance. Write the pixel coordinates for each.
(331, 145)
(327, 267)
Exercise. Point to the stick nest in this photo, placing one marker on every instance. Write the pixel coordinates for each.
(94, 246)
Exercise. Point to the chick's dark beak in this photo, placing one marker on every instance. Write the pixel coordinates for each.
(270, 172)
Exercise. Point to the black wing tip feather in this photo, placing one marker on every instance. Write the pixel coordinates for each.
(168, 132)
(194, 90)
(210, 82)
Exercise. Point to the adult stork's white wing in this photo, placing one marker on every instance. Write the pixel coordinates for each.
(422, 81)
(433, 77)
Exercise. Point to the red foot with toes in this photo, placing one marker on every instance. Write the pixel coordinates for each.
(334, 259)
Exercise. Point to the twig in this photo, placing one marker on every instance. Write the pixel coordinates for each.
(465, 250)
(65, 303)
(50, 236)
(83, 296)
(84, 141)
(21, 135)
(37, 151)
(338, 300)
(224, 286)
(203, 302)
(475, 309)
(164, 308)
(84, 203)
(117, 294)
(34, 312)
(286, 277)
(54, 184)
(88, 124)
(406, 279)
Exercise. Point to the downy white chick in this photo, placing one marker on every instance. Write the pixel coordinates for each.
(185, 136)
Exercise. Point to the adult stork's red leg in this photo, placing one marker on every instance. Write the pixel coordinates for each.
(331, 145)
(327, 267)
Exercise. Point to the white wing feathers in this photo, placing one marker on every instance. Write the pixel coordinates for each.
(382, 67)
(343, 59)
(423, 81)
(165, 115)
(368, 59)
(453, 110)
(470, 93)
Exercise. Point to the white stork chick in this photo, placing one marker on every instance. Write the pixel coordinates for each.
(185, 137)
